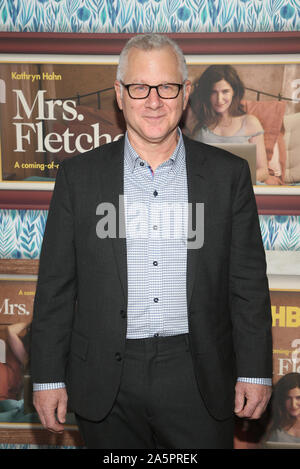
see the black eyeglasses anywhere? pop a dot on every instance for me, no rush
(164, 91)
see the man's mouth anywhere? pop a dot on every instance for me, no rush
(153, 117)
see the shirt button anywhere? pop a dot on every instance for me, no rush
(118, 357)
(155, 193)
(155, 227)
(142, 163)
(156, 334)
(155, 300)
(155, 263)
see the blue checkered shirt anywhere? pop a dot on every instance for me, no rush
(156, 248)
(156, 244)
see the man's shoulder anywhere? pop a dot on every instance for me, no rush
(96, 156)
(212, 155)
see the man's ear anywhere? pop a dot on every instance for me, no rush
(118, 91)
(187, 91)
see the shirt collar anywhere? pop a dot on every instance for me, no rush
(131, 157)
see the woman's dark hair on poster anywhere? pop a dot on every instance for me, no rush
(281, 417)
(200, 97)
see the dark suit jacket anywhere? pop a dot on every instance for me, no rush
(79, 324)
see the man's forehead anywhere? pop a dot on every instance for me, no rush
(140, 62)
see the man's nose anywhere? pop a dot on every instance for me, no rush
(154, 100)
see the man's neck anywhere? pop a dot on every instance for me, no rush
(155, 153)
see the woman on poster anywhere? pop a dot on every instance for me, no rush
(221, 118)
(285, 426)
(16, 356)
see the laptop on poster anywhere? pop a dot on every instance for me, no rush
(243, 150)
(280, 445)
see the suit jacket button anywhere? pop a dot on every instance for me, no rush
(118, 357)
(123, 313)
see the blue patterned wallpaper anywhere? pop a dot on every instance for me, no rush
(21, 233)
(131, 16)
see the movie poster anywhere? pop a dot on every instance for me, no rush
(16, 310)
(52, 111)
(16, 303)
(283, 427)
(279, 427)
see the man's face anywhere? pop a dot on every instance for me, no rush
(153, 119)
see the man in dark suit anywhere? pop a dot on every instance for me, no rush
(151, 319)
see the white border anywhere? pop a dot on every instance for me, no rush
(31, 426)
(195, 59)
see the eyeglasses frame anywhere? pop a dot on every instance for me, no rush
(180, 86)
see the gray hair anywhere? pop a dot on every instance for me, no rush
(151, 41)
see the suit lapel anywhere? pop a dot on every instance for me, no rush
(112, 187)
(197, 193)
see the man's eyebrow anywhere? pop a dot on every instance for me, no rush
(142, 82)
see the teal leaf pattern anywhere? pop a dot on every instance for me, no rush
(7, 237)
(132, 16)
(4, 14)
(183, 13)
(287, 12)
(280, 233)
(22, 231)
(83, 13)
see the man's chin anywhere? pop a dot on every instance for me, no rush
(152, 136)
(158, 136)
